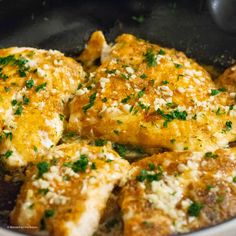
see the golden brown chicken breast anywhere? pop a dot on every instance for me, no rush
(178, 192)
(35, 88)
(228, 80)
(66, 192)
(149, 96)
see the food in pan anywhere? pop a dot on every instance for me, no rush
(228, 80)
(149, 96)
(74, 127)
(35, 86)
(66, 192)
(177, 192)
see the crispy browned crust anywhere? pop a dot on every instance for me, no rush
(134, 90)
(40, 123)
(186, 178)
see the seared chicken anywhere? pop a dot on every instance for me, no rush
(66, 192)
(148, 96)
(35, 88)
(177, 192)
(228, 80)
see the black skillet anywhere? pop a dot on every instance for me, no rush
(66, 25)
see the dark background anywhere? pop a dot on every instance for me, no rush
(67, 24)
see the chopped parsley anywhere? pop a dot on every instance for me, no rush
(26, 100)
(125, 100)
(176, 114)
(7, 89)
(120, 148)
(93, 166)
(161, 52)
(150, 58)
(195, 209)
(228, 126)
(11, 60)
(104, 99)
(124, 76)
(210, 155)
(117, 132)
(178, 66)
(43, 191)
(29, 83)
(144, 175)
(43, 167)
(49, 213)
(81, 164)
(79, 86)
(100, 142)
(8, 135)
(164, 82)
(119, 122)
(217, 91)
(91, 102)
(218, 112)
(41, 87)
(143, 76)
(173, 141)
(151, 166)
(62, 117)
(234, 179)
(7, 154)
(141, 93)
(13, 102)
(19, 110)
(143, 107)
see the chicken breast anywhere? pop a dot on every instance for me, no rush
(177, 192)
(228, 80)
(149, 96)
(35, 88)
(66, 192)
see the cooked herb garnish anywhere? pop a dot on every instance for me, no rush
(176, 114)
(178, 66)
(41, 87)
(217, 91)
(144, 175)
(104, 99)
(143, 76)
(141, 93)
(19, 110)
(62, 117)
(26, 100)
(150, 58)
(29, 83)
(125, 100)
(43, 191)
(164, 82)
(234, 179)
(49, 213)
(13, 102)
(81, 164)
(8, 134)
(93, 166)
(228, 126)
(195, 209)
(43, 167)
(210, 155)
(100, 142)
(120, 148)
(91, 102)
(161, 52)
(7, 154)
